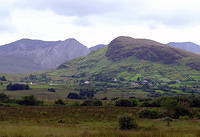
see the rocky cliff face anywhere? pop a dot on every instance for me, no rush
(28, 55)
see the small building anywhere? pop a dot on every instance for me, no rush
(134, 84)
(86, 82)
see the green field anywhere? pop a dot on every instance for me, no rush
(85, 122)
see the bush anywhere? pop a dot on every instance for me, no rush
(29, 101)
(148, 114)
(126, 103)
(127, 122)
(97, 103)
(87, 93)
(181, 111)
(184, 118)
(51, 90)
(105, 98)
(59, 102)
(3, 78)
(3, 97)
(17, 87)
(150, 104)
(73, 96)
(92, 103)
(87, 103)
(134, 102)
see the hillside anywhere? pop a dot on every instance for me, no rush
(125, 51)
(187, 46)
(28, 55)
(129, 64)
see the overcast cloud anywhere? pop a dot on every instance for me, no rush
(99, 21)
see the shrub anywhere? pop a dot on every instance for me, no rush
(59, 102)
(3, 97)
(127, 122)
(29, 101)
(105, 98)
(134, 102)
(197, 115)
(181, 111)
(92, 103)
(17, 87)
(184, 118)
(97, 103)
(73, 96)
(3, 78)
(87, 103)
(88, 93)
(51, 90)
(148, 114)
(150, 104)
(126, 103)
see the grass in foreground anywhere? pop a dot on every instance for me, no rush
(85, 122)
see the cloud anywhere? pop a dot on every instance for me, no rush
(123, 12)
(71, 7)
(99, 21)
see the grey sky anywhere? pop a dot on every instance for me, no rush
(99, 21)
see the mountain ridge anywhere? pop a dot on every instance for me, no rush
(187, 46)
(42, 54)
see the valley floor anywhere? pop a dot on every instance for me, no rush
(58, 121)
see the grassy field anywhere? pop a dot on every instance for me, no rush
(65, 121)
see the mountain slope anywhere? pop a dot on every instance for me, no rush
(28, 55)
(126, 59)
(123, 47)
(187, 46)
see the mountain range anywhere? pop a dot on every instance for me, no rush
(187, 46)
(28, 55)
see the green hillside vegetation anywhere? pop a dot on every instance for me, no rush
(135, 65)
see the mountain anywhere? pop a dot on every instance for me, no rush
(127, 58)
(28, 55)
(187, 46)
(97, 47)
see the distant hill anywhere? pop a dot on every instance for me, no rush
(187, 46)
(28, 55)
(97, 47)
(127, 58)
